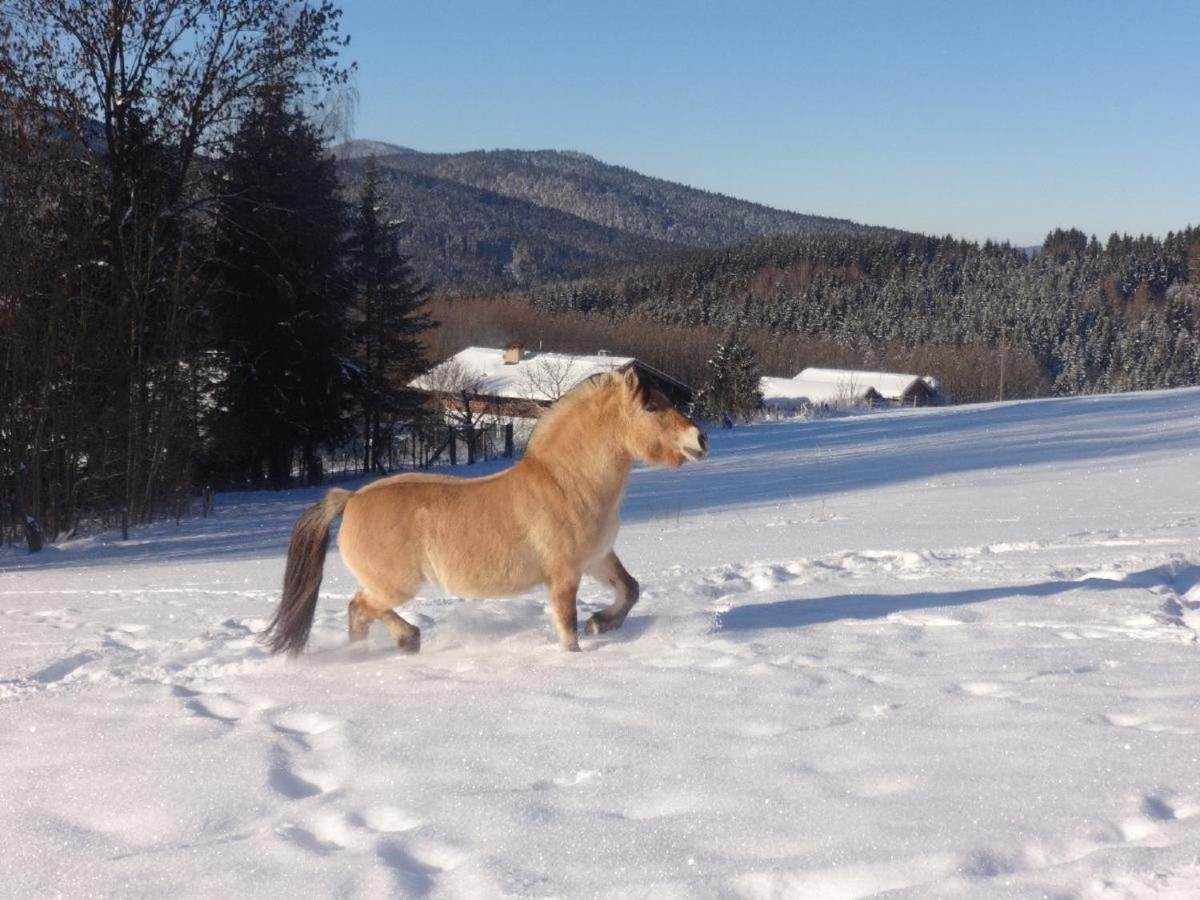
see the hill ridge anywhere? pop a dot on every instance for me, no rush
(492, 244)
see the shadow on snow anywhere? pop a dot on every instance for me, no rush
(800, 613)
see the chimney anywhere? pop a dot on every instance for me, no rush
(513, 352)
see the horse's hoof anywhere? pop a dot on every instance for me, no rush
(597, 625)
(409, 645)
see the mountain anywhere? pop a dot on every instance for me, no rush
(501, 219)
(359, 149)
(462, 238)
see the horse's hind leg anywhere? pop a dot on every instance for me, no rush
(360, 615)
(407, 635)
(610, 571)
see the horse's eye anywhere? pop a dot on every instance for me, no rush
(652, 407)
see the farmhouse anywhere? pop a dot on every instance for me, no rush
(833, 388)
(516, 383)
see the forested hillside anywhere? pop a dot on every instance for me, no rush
(463, 237)
(1095, 317)
(488, 220)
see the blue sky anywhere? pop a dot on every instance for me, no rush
(998, 120)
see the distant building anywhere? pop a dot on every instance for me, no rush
(515, 382)
(834, 388)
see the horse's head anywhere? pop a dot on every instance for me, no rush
(657, 432)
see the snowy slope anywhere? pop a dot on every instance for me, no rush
(926, 653)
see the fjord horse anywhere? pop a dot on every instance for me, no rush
(548, 519)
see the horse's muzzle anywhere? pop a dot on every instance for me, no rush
(699, 450)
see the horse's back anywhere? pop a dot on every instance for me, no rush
(421, 478)
(461, 533)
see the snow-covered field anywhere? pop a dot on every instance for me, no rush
(944, 653)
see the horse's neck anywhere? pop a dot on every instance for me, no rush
(586, 457)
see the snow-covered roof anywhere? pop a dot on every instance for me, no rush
(779, 389)
(815, 385)
(538, 376)
(889, 385)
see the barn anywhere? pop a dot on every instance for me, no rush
(841, 388)
(515, 382)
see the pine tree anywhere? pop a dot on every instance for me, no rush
(280, 316)
(732, 382)
(388, 301)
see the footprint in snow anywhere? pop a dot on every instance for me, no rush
(56, 618)
(384, 819)
(304, 723)
(878, 710)
(308, 839)
(414, 878)
(1125, 720)
(64, 668)
(223, 709)
(990, 689)
(220, 706)
(417, 866)
(759, 730)
(583, 776)
(296, 781)
(1150, 813)
(301, 765)
(124, 637)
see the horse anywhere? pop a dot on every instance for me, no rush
(550, 518)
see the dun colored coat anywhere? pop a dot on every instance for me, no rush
(549, 519)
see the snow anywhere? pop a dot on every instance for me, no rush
(929, 653)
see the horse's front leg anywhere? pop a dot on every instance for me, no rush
(610, 571)
(563, 589)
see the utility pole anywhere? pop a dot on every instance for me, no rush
(1003, 354)
(1004, 335)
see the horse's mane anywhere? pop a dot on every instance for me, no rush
(564, 406)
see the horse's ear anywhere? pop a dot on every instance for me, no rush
(638, 389)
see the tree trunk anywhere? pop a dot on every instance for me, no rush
(33, 534)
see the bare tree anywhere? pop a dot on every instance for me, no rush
(190, 66)
(451, 381)
(457, 389)
(548, 377)
(848, 393)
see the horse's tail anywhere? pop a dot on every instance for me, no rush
(293, 619)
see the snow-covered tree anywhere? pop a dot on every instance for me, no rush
(732, 383)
